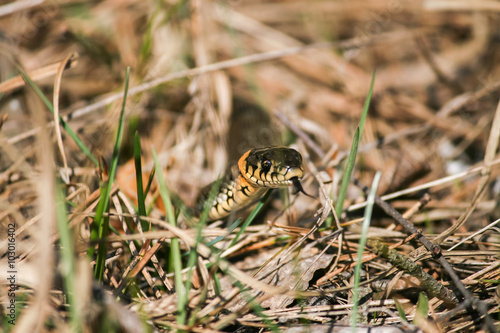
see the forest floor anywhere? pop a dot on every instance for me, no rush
(82, 250)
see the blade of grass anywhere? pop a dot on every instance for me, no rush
(94, 229)
(362, 244)
(150, 182)
(218, 288)
(352, 154)
(55, 99)
(201, 224)
(193, 254)
(229, 231)
(175, 252)
(401, 310)
(141, 201)
(256, 307)
(422, 308)
(101, 223)
(252, 216)
(148, 187)
(64, 124)
(68, 264)
(347, 174)
(368, 99)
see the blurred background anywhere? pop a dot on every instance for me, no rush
(429, 56)
(211, 79)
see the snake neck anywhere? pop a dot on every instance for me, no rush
(234, 194)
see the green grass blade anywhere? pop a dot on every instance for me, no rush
(368, 99)
(98, 218)
(347, 174)
(150, 182)
(401, 310)
(257, 308)
(218, 288)
(102, 224)
(352, 154)
(175, 252)
(422, 308)
(229, 231)
(211, 197)
(252, 216)
(141, 198)
(63, 123)
(193, 254)
(362, 243)
(68, 264)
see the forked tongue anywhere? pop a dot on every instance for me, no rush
(297, 187)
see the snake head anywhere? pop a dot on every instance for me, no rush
(271, 166)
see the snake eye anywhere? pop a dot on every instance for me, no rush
(266, 165)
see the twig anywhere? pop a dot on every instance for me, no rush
(436, 252)
(491, 225)
(433, 287)
(429, 57)
(17, 6)
(295, 129)
(491, 148)
(430, 184)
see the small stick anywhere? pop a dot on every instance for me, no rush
(295, 129)
(433, 287)
(437, 255)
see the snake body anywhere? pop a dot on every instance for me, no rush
(258, 170)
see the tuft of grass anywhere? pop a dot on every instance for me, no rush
(361, 247)
(401, 310)
(193, 254)
(422, 308)
(141, 195)
(352, 154)
(63, 123)
(229, 231)
(67, 251)
(68, 262)
(100, 227)
(257, 308)
(251, 217)
(175, 252)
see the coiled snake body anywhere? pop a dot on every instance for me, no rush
(258, 170)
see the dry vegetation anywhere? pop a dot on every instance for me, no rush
(208, 80)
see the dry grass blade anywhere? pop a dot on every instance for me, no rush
(206, 80)
(491, 148)
(40, 73)
(57, 88)
(434, 183)
(462, 5)
(44, 265)
(17, 6)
